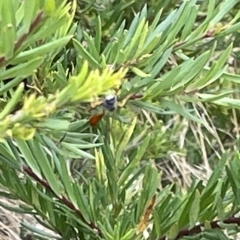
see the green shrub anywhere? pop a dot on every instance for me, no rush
(167, 64)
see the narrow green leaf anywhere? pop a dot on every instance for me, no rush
(172, 233)
(46, 168)
(149, 187)
(167, 81)
(194, 210)
(178, 21)
(8, 38)
(32, 228)
(157, 225)
(49, 6)
(215, 72)
(156, 34)
(114, 53)
(195, 67)
(10, 163)
(119, 34)
(181, 110)
(228, 102)
(151, 43)
(152, 107)
(51, 27)
(211, 97)
(129, 235)
(133, 176)
(13, 101)
(223, 9)
(5, 87)
(54, 124)
(28, 157)
(131, 48)
(211, 9)
(188, 203)
(74, 148)
(231, 29)
(112, 184)
(6, 151)
(220, 209)
(85, 54)
(141, 42)
(100, 170)
(30, 10)
(125, 139)
(13, 209)
(203, 27)
(233, 174)
(91, 47)
(140, 73)
(118, 11)
(231, 77)
(65, 178)
(217, 171)
(98, 36)
(42, 50)
(8, 10)
(8, 28)
(214, 234)
(21, 70)
(134, 163)
(155, 21)
(158, 63)
(150, 181)
(82, 201)
(187, 29)
(79, 124)
(132, 30)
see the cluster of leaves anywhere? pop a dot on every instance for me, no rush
(52, 72)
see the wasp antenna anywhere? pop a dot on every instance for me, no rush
(65, 134)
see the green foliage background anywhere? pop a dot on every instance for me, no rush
(165, 164)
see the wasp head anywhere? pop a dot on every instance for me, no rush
(110, 102)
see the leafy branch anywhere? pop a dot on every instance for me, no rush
(104, 181)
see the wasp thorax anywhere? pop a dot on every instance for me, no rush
(110, 102)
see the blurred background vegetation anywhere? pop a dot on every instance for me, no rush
(174, 67)
(197, 145)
